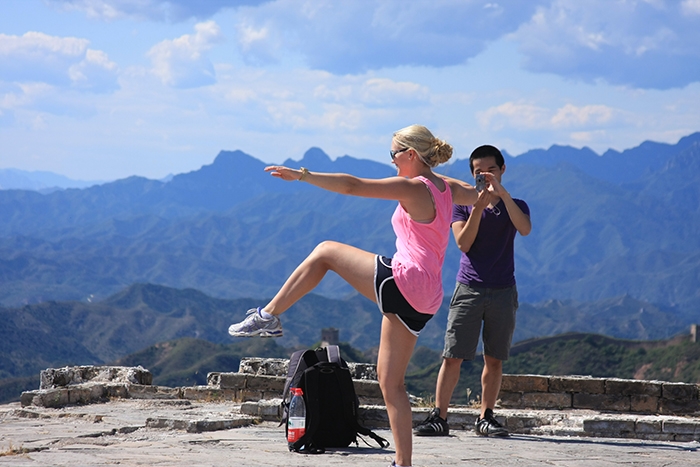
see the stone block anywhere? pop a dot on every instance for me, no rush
(169, 423)
(363, 371)
(510, 399)
(118, 374)
(200, 426)
(208, 394)
(627, 387)
(118, 391)
(648, 426)
(214, 378)
(137, 391)
(373, 417)
(609, 427)
(274, 384)
(681, 426)
(538, 400)
(250, 395)
(525, 383)
(270, 410)
(27, 398)
(518, 424)
(57, 377)
(602, 402)
(644, 404)
(52, 398)
(686, 438)
(679, 391)
(264, 366)
(678, 406)
(367, 388)
(584, 384)
(79, 395)
(233, 381)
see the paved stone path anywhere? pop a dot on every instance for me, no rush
(155, 433)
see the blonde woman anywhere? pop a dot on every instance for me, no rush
(407, 287)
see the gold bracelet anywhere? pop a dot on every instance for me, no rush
(304, 172)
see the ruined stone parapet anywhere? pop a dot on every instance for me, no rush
(602, 394)
(88, 384)
(280, 367)
(72, 375)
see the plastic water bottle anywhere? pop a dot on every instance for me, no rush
(296, 421)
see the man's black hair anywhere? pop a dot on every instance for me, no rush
(486, 151)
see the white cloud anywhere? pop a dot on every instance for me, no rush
(37, 43)
(182, 62)
(60, 61)
(646, 44)
(691, 7)
(373, 92)
(353, 37)
(528, 116)
(514, 114)
(587, 137)
(572, 116)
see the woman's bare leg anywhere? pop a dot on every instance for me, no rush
(395, 350)
(352, 264)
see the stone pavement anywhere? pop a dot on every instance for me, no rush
(197, 433)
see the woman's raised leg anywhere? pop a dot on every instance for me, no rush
(354, 265)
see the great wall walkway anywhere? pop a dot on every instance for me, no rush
(108, 415)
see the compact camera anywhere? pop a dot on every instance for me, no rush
(480, 182)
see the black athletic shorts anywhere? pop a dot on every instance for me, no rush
(390, 299)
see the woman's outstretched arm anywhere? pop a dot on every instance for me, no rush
(462, 192)
(394, 188)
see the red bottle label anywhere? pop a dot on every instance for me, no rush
(295, 428)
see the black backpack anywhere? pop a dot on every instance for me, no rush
(331, 403)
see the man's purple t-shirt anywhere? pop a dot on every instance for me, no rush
(490, 261)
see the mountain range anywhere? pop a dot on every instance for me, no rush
(619, 224)
(55, 334)
(163, 323)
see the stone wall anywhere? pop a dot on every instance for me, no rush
(264, 378)
(602, 394)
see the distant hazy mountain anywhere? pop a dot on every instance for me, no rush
(620, 224)
(15, 179)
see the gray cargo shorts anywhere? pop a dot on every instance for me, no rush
(469, 309)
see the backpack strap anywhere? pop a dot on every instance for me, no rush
(333, 352)
(294, 361)
(383, 443)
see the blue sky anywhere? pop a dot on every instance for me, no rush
(105, 89)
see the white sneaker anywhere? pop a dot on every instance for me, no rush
(255, 325)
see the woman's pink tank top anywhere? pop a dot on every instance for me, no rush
(420, 252)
